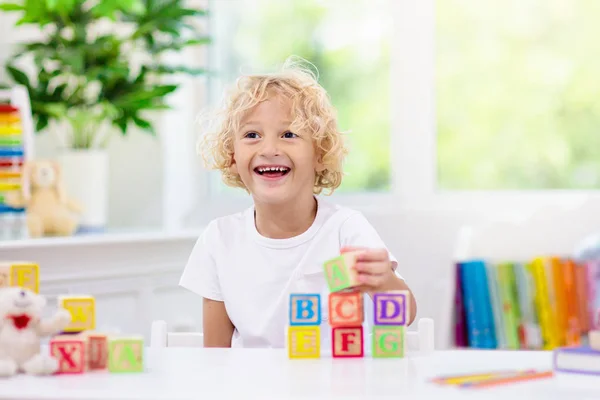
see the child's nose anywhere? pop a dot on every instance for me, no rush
(270, 147)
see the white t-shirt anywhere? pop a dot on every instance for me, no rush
(254, 275)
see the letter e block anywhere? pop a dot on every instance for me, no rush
(347, 342)
(391, 308)
(346, 308)
(69, 351)
(304, 341)
(126, 354)
(388, 341)
(340, 272)
(83, 312)
(305, 309)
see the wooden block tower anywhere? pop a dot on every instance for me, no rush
(391, 316)
(304, 331)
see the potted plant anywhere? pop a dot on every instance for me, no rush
(100, 68)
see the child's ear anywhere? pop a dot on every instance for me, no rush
(233, 166)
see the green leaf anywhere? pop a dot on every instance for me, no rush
(18, 76)
(144, 124)
(11, 7)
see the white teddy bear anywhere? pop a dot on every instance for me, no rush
(21, 330)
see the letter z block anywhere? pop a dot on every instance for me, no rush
(83, 312)
(391, 308)
(340, 272)
(305, 309)
(347, 342)
(126, 354)
(388, 341)
(304, 341)
(21, 274)
(69, 351)
(346, 308)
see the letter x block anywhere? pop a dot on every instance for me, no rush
(304, 341)
(83, 312)
(340, 272)
(69, 351)
(305, 309)
(346, 308)
(347, 342)
(388, 341)
(391, 308)
(126, 354)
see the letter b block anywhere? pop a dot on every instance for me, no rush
(347, 342)
(388, 341)
(391, 308)
(346, 309)
(305, 309)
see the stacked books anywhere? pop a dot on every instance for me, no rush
(544, 303)
(12, 156)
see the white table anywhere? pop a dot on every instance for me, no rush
(198, 373)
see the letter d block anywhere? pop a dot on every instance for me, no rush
(346, 309)
(83, 312)
(391, 308)
(69, 351)
(304, 341)
(126, 354)
(388, 341)
(340, 272)
(305, 309)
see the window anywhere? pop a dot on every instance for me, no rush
(347, 41)
(517, 89)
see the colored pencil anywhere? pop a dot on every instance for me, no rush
(509, 379)
(460, 379)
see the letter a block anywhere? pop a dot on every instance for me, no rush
(305, 309)
(83, 312)
(388, 341)
(69, 351)
(391, 308)
(304, 341)
(340, 272)
(347, 342)
(346, 309)
(126, 354)
(21, 274)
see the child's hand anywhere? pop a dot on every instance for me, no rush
(374, 268)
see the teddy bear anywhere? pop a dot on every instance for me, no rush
(21, 330)
(49, 211)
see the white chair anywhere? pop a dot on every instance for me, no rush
(160, 337)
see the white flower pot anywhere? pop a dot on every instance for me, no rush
(85, 176)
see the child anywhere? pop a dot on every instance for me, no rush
(278, 140)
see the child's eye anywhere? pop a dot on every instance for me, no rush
(251, 135)
(289, 135)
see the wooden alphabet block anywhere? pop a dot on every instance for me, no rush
(340, 272)
(83, 312)
(22, 274)
(594, 339)
(388, 341)
(346, 308)
(391, 308)
(96, 350)
(70, 352)
(305, 309)
(347, 342)
(126, 354)
(304, 341)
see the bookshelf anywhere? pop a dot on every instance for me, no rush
(539, 304)
(16, 147)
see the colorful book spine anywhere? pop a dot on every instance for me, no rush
(543, 305)
(496, 302)
(460, 324)
(510, 310)
(12, 156)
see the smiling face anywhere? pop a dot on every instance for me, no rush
(275, 163)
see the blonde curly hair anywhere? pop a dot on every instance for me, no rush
(312, 111)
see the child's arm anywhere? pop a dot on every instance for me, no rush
(218, 329)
